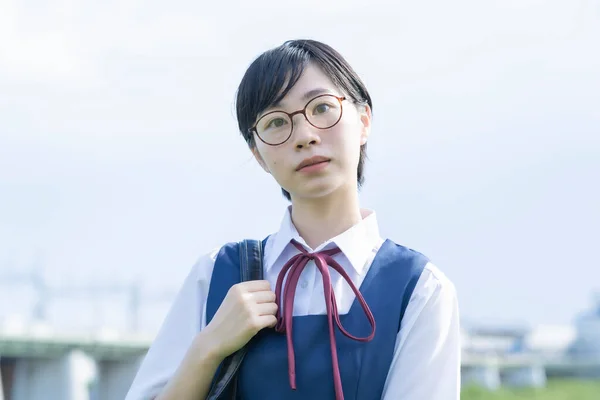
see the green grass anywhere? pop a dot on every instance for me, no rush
(556, 390)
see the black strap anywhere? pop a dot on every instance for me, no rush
(225, 384)
(251, 255)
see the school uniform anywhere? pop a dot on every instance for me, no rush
(413, 355)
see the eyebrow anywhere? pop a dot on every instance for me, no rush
(307, 96)
(315, 92)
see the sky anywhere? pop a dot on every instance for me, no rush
(120, 158)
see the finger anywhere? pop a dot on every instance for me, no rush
(267, 321)
(266, 309)
(265, 296)
(255, 286)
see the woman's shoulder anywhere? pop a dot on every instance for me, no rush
(203, 266)
(431, 275)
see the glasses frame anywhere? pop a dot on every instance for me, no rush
(302, 111)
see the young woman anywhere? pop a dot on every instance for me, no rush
(306, 117)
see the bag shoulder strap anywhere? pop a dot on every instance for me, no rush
(251, 268)
(251, 260)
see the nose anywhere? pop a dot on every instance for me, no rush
(304, 134)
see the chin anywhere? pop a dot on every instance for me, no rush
(317, 190)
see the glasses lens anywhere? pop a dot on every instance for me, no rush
(324, 111)
(274, 128)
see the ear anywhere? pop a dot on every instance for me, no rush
(259, 158)
(365, 116)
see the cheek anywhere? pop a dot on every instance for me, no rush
(272, 159)
(348, 138)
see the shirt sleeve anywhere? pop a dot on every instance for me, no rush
(427, 356)
(181, 324)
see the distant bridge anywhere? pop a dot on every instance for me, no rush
(68, 367)
(43, 365)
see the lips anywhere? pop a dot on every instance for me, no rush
(311, 161)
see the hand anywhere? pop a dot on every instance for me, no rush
(247, 308)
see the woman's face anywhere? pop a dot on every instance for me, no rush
(332, 153)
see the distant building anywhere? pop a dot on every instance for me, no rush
(587, 342)
(546, 341)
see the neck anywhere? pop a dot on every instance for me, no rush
(318, 220)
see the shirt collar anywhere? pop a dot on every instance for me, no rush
(356, 243)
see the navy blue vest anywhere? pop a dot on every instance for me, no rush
(364, 367)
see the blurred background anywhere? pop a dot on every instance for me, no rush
(121, 164)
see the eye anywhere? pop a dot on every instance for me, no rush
(321, 108)
(276, 123)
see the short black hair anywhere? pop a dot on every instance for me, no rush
(271, 76)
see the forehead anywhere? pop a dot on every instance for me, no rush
(312, 82)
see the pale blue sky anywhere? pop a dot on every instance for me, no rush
(120, 156)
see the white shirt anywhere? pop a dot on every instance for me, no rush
(426, 360)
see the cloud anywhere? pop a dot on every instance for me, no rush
(73, 40)
(40, 44)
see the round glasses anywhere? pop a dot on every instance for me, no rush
(276, 127)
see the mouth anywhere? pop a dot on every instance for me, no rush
(313, 162)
